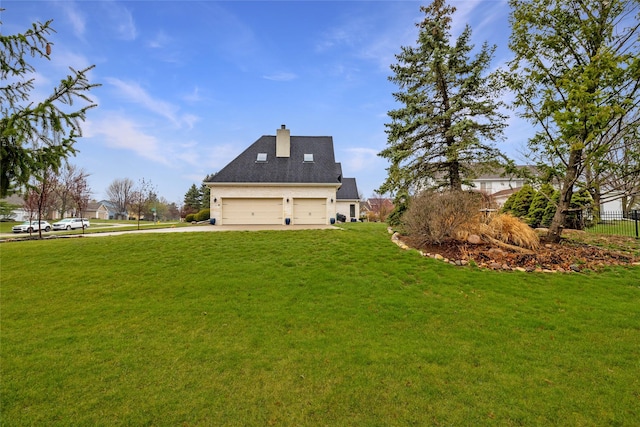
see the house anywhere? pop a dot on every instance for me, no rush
(112, 211)
(499, 185)
(377, 208)
(15, 210)
(282, 179)
(348, 200)
(96, 210)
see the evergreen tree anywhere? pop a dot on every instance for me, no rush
(192, 200)
(580, 201)
(550, 210)
(36, 135)
(508, 204)
(523, 201)
(449, 111)
(205, 193)
(539, 204)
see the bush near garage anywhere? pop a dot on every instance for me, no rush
(203, 215)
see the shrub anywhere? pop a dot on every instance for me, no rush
(511, 230)
(436, 217)
(508, 205)
(203, 215)
(401, 204)
(522, 202)
(550, 210)
(539, 205)
(190, 217)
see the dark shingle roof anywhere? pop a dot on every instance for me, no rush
(293, 169)
(348, 191)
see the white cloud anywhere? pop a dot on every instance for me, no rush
(133, 92)
(193, 96)
(374, 37)
(281, 77)
(122, 133)
(77, 20)
(160, 40)
(121, 20)
(360, 158)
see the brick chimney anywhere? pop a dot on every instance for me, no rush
(283, 142)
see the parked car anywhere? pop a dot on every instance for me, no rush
(71, 223)
(31, 226)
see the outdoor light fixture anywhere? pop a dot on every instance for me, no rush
(215, 200)
(332, 200)
(287, 200)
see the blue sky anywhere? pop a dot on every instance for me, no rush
(188, 85)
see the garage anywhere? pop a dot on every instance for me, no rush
(252, 211)
(309, 211)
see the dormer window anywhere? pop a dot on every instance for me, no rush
(262, 157)
(308, 158)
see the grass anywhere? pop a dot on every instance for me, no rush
(618, 228)
(98, 226)
(306, 328)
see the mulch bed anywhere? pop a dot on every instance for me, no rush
(568, 255)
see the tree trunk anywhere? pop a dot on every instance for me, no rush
(566, 192)
(454, 176)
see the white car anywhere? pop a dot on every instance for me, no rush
(71, 223)
(31, 226)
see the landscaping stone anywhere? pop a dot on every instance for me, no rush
(474, 239)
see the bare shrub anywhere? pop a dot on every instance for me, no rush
(437, 217)
(511, 230)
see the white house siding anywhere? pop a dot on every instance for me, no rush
(286, 194)
(344, 207)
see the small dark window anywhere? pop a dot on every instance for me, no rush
(352, 211)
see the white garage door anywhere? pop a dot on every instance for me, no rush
(309, 211)
(251, 211)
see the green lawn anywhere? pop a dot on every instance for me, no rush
(97, 226)
(618, 228)
(306, 328)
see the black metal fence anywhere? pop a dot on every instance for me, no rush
(618, 223)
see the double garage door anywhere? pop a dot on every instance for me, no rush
(270, 211)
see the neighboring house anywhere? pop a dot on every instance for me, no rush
(112, 212)
(498, 186)
(18, 213)
(377, 208)
(280, 179)
(96, 210)
(348, 199)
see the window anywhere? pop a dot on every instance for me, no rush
(262, 157)
(352, 211)
(308, 158)
(485, 187)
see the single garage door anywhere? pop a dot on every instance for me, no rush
(309, 211)
(251, 211)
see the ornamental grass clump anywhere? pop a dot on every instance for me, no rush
(437, 217)
(511, 230)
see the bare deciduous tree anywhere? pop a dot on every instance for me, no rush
(120, 193)
(80, 193)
